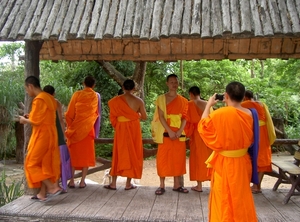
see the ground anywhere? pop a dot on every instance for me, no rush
(15, 172)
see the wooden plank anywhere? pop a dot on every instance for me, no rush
(155, 48)
(3, 5)
(206, 26)
(127, 28)
(244, 45)
(146, 25)
(95, 18)
(157, 14)
(294, 16)
(187, 211)
(226, 23)
(166, 20)
(245, 16)
(265, 19)
(216, 19)
(187, 46)
(276, 45)
(60, 18)
(143, 197)
(186, 19)
(265, 46)
(286, 24)
(275, 16)
(165, 46)
(29, 14)
(138, 18)
(66, 48)
(99, 46)
(208, 46)
(196, 19)
(204, 197)
(117, 204)
(144, 47)
(176, 46)
(68, 21)
(103, 18)
(51, 48)
(85, 20)
(35, 20)
(77, 18)
(288, 46)
(44, 18)
(235, 20)
(57, 48)
(86, 47)
(265, 210)
(287, 166)
(120, 19)
(19, 19)
(16, 206)
(136, 49)
(167, 201)
(117, 47)
(254, 45)
(256, 19)
(106, 46)
(8, 7)
(51, 20)
(176, 24)
(197, 46)
(218, 46)
(128, 46)
(110, 27)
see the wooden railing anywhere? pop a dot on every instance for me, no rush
(106, 164)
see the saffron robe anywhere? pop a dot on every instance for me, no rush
(264, 151)
(80, 117)
(42, 160)
(171, 154)
(199, 152)
(127, 158)
(229, 132)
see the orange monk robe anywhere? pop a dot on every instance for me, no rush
(42, 160)
(199, 152)
(80, 117)
(264, 151)
(127, 159)
(171, 154)
(229, 130)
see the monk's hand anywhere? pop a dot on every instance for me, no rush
(212, 100)
(172, 135)
(22, 120)
(178, 134)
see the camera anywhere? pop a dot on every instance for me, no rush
(220, 97)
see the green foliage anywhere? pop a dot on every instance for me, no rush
(8, 193)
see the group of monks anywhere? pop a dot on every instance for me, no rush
(218, 141)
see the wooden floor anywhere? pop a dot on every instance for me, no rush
(94, 203)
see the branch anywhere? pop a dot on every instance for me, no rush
(112, 72)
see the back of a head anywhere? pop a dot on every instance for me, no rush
(49, 89)
(249, 94)
(120, 92)
(33, 81)
(128, 84)
(195, 90)
(171, 75)
(236, 91)
(89, 81)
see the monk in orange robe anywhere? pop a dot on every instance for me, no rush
(264, 152)
(228, 131)
(125, 112)
(171, 154)
(199, 152)
(80, 117)
(42, 163)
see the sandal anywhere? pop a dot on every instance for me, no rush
(109, 187)
(160, 191)
(131, 187)
(71, 186)
(181, 190)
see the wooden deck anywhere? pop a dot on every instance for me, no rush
(94, 203)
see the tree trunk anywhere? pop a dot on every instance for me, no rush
(262, 65)
(32, 68)
(138, 76)
(5, 128)
(252, 68)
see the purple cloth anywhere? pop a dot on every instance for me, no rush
(66, 168)
(98, 120)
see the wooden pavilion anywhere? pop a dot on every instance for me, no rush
(150, 30)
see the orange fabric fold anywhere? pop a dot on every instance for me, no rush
(230, 197)
(43, 158)
(264, 151)
(80, 117)
(199, 152)
(127, 159)
(171, 154)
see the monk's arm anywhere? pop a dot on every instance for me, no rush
(182, 126)
(142, 110)
(212, 101)
(162, 120)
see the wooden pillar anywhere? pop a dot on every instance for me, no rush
(32, 68)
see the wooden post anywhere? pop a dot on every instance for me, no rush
(32, 68)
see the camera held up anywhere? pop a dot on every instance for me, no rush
(220, 97)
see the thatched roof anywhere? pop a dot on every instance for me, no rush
(71, 27)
